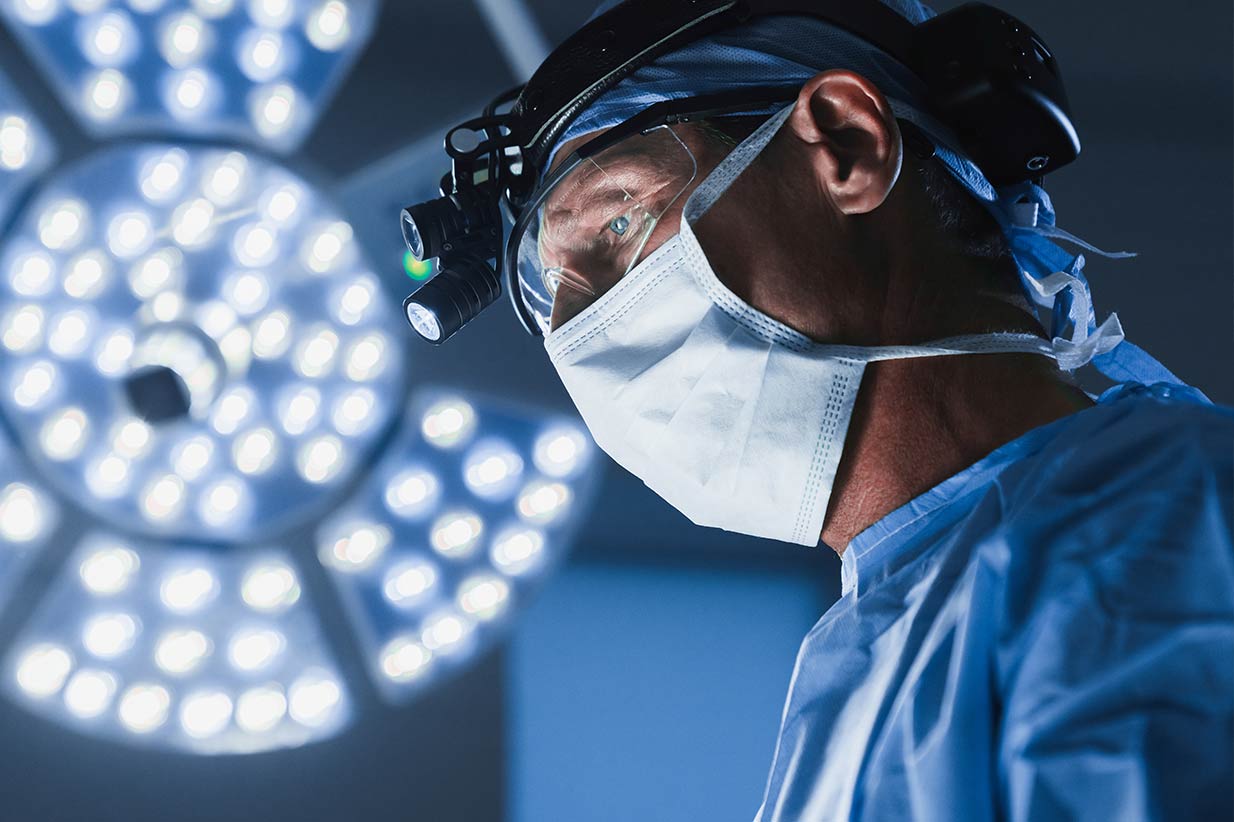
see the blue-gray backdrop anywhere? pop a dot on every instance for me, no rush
(646, 683)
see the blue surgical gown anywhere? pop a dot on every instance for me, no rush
(1048, 635)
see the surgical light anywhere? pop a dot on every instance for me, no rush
(42, 669)
(314, 699)
(405, 660)
(260, 709)
(179, 652)
(31, 274)
(320, 459)
(25, 514)
(560, 452)
(271, 13)
(445, 632)
(32, 385)
(408, 582)
(35, 12)
(262, 54)
(134, 641)
(270, 588)
(166, 63)
(62, 224)
(433, 551)
(108, 569)
(274, 110)
(106, 94)
(199, 363)
(231, 416)
(328, 25)
(15, 142)
(87, 275)
(108, 39)
(89, 693)
(189, 647)
(254, 649)
(213, 9)
(222, 501)
(205, 713)
(143, 707)
(183, 39)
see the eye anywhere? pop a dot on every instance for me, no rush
(619, 225)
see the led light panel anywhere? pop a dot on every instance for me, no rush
(254, 70)
(197, 360)
(28, 518)
(451, 532)
(179, 647)
(26, 149)
(194, 344)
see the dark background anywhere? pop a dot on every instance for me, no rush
(647, 681)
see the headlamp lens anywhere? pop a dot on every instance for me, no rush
(412, 236)
(424, 322)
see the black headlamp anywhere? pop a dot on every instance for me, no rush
(990, 78)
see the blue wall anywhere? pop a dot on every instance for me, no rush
(652, 693)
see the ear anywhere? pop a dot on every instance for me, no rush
(849, 132)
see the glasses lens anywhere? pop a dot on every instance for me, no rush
(596, 223)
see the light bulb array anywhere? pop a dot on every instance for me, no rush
(193, 350)
(233, 275)
(179, 647)
(462, 517)
(28, 518)
(26, 149)
(254, 70)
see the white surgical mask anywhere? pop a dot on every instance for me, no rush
(735, 419)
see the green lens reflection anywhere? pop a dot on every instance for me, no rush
(417, 269)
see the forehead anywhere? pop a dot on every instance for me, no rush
(569, 147)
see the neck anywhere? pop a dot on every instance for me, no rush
(919, 421)
(916, 421)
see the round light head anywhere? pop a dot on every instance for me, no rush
(452, 298)
(423, 321)
(175, 294)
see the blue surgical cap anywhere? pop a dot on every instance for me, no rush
(780, 51)
(791, 49)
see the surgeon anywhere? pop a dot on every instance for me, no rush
(817, 320)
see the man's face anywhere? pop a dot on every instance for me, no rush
(801, 235)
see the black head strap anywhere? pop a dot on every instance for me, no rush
(619, 42)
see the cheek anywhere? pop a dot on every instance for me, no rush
(567, 305)
(732, 241)
(770, 255)
(666, 228)
(669, 223)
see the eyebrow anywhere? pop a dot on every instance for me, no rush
(561, 216)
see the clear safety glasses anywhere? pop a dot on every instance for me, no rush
(596, 218)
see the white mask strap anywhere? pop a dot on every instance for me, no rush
(998, 343)
(731, 167)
